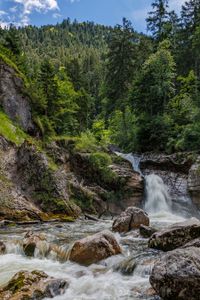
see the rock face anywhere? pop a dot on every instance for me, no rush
(176, 235)
(14, 204)
(113, 195)
(13, 99)
(35, 285)
(94, 248)
(177, 275)
(130, 219)
(194, 182)
(45, 182)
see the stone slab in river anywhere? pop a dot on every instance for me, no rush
(176, 276)
(94, 248)
(176, 235)
(35, 285)
(130, 219)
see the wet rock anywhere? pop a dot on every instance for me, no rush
(193, 243)
(94, 248)
(32, 241)
(147, 231)
(2, 248)
(177, 275)
(35, 285)
(176, 235)
(130, 219)
(126, 267)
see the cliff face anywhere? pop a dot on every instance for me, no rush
(13, 99)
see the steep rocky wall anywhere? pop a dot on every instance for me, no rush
(122, 189)
(13, 99)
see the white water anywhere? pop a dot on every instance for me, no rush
(133, 159)
(157, 197)
(99, 281)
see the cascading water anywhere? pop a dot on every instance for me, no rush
(157, 196)
(133, 159)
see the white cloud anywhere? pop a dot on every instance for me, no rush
(38, 5)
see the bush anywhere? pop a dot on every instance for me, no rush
(86, 142)
(100, 162)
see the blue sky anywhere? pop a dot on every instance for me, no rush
(108, 12)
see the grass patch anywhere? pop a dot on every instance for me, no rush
(10, 131)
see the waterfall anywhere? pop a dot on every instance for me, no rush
(157, 196)
(133, 159)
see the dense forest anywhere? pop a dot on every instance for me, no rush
(114, 85)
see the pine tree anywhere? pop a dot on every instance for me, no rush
(157, 20)
(120, 66)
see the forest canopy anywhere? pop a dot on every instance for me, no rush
(114, 85)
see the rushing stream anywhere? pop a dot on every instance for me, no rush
(115, 278)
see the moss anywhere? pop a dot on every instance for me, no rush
(16, 283)
(10, 131)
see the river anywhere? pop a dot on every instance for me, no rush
(124, 276)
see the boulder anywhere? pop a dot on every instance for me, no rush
(2, 248)
(176, 275)
(147, 231)
(32, 241)
(176, 235)
(35, 285)
(130, 219)
(94, 248)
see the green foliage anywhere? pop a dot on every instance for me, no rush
(120, 66)
(86, 142)
(10, 131)
(123, 129)
(100, 161)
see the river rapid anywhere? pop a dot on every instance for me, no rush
(108, 280)
(124, 276)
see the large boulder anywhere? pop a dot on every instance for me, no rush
(177, 275)
(94, 248)
(176, 235)
(35, 285)
(33, 242)
(130, 219)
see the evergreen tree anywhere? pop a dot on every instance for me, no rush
(154, 85)
(157, 20)
(120, 66)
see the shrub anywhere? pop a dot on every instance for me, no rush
(86, 142)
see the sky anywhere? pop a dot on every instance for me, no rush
(107, 12)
